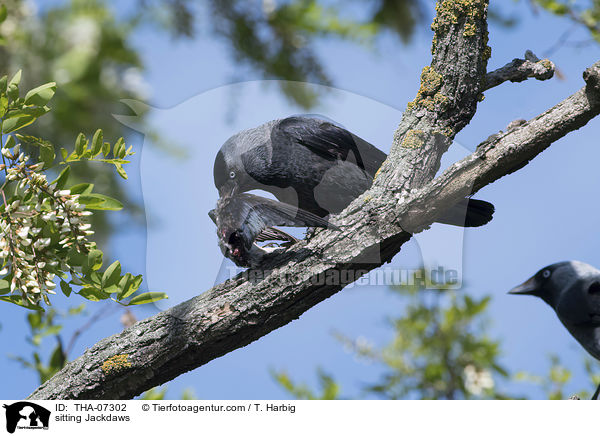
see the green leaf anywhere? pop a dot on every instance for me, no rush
(64, 153)
(106, 149)
(80, 144)
(113, 161)
(82, 188)
(35, 320)
(4, 286)
(3, 104)
(65, 288)
(93, 294)
(3, 83)
(75, 258)
(131, 286)
(124, 280)
(112, 274)
(554, 7)
(123, 151)
(124, 285)
(147, 297)
(112, 289)
(15, 299)
(10, 142)
(77, 309)
(52, 330)
(16, 79)
(97, 142)
(47, 155)
(121, 171)
(19, 118)
(13, 86)
(41, 95)
(62, 178)
(33, 140)
(100, 202)
(57, 359)
(154, 394)
(95, 259)
(118, 148)
(12, 92)
(3, 13)
(95, 277)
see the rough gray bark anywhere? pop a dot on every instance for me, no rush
(403, 199)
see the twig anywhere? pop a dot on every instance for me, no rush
(519, 70)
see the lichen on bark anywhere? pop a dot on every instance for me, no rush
(116, 363)
(413, 139)
(429, 95)
(450, 12)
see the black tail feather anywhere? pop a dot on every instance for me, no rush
(468, 213)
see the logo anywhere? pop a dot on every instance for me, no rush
(26, 415)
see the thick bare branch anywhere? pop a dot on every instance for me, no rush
(519, 70)
(248, 307)
(450, 88)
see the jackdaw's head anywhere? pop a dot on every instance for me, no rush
(549, 282)
(229, 172)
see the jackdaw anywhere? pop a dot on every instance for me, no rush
(244, 219)
(572, 289)
(314, 165)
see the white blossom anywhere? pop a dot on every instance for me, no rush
(476, 381)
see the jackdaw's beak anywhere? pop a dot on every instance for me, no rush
(228, 190)
(528, 287)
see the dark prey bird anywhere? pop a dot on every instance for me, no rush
(244, 219)
(572, 289)
(315, 165)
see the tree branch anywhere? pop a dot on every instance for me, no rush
(519, 70)
(243, 309)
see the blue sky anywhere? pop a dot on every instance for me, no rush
(546, 212)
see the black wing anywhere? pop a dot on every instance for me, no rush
(258, 213)
(580, 305)
(268, 234)
(328, 141)
(274, 234)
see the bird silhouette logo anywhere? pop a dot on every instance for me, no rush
(26, 415)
